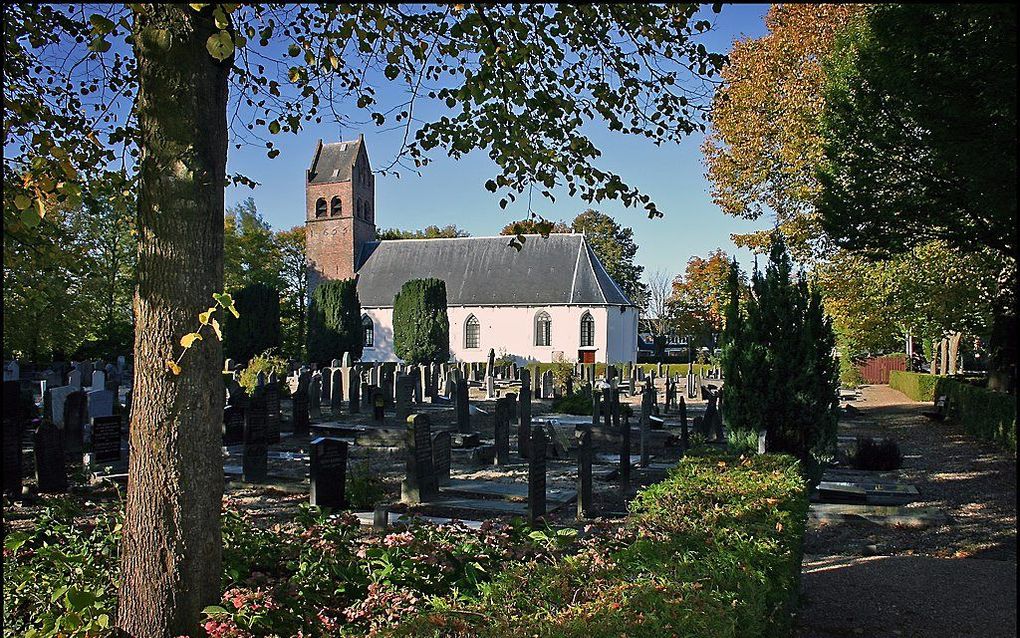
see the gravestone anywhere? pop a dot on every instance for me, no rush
(272, 394)
(584, 460)
(536, 475)
(74, 379)
(711, 414)
(685, 437)
(98, 380)
(12, 371)
(418, 377)
(419, 483)
(100, 403)
(463, 413)
(336, 390)
(596, 407)
(12, 438)
(441, 456)
(233, 425)
(547, 384)
(405, 393)
(761, 441)
(511, 403)
(326, 385)
(299, 400)
(255, 457)
(645, 426)
(105, 444)
(55, 404)
(366, 395)
(490, 388)
(378, 405)
(501, 431)
(524, 425)
(327, 471)
(315, 396)
(76, 415)
(608, 409)
(352, 388)
(625, 453)
(50, 472)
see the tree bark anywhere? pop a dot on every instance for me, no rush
(171, 548)
(954, 351)
(933, 369)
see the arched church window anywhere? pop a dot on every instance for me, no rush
(335, 207)
(367, 331)
(543, 329)
(320, 208)
(587, 330)
(472, 332)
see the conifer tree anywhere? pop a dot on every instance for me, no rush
(779, 362)
(421, 327)
(334, 322)
(257, 328)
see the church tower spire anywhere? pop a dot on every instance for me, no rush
(339, 209)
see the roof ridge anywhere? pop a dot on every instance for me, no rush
(480, 237)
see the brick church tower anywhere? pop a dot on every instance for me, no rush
(339, 209)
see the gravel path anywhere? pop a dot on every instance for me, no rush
(956, 579)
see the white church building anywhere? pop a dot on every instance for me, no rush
(552, 298)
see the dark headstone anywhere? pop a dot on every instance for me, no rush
(233, 425)
(378, 405)
(463, 410)
(353, 388)
(501, 430)
(625, 453)
(105, 444)
(536, 475)
(12, 438)
(50, 471)
(645, 426)
(419, 484)
(685, 437)
(366, 395)
(272, 413)
(75, 417)
(511, 402)
(299, 401)
(441, 457)
(255, 458)
(328, 473)
(584, 460)
(336, 391)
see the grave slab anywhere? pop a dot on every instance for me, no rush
(368, 518)
(886, 515)
(505, 490)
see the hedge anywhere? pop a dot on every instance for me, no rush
(716, 551)
(985, 414)
(918, 386)
(672, 369)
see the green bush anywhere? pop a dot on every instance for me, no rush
(713, 550)
(334, 322)
(257, 328)
(985, 414)
(421, 327)
(916, 385)
(263, 363)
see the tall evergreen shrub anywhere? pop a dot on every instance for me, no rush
(421, 327)
(779, 362)
(334, 322)
(257, 328)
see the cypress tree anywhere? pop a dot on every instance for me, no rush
(334, 321)
(421, 327)
(782, 376)
(257, 328)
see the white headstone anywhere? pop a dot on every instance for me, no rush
(99, 382)
(74, 379)
(100, 403)
(58, 396)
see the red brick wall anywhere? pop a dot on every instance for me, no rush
(332, 243)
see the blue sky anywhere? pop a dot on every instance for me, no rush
(452, 192)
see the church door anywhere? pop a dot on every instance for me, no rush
(586, 356)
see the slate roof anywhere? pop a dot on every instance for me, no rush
(481, 271)
(333, 162)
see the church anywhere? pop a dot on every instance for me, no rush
(552, 298)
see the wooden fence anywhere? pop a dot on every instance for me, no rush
(876, 369)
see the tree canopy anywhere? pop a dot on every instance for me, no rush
(429, 232)
(699, 296)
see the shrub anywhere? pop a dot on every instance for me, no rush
(713, 550)
(580, 402)
(364, 489)
(421, 327)
(334, 322)
(876, 455)
(263, 363)
(257, 328)
(918, 386)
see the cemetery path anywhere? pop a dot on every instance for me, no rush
(955, 577)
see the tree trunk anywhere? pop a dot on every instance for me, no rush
(933, 369)
(171, 551)
(954, 351)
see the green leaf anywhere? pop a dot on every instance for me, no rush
(80, 600)
(101, 25)
(220, 18)
(214, 610)
(233, 310)
(22, 201)
(30, 218)
(223, 298)
(198, 7)
(99, 45)
(274, 127)
(15, 540)
(220, 45)
(58, 593)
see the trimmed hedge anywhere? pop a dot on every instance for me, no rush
(421, 325)
(715, 550)
(983, 413)
(916, 385)
(334, 322)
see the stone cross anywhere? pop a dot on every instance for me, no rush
(536, 475)
(327, 471)
(584, 461)
(419, 484)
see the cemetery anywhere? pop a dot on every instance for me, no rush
(694, 320)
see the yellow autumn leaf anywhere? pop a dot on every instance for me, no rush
(176, 369)
(216, 328)
(190, 338)
(205, 316)
(233, 311)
